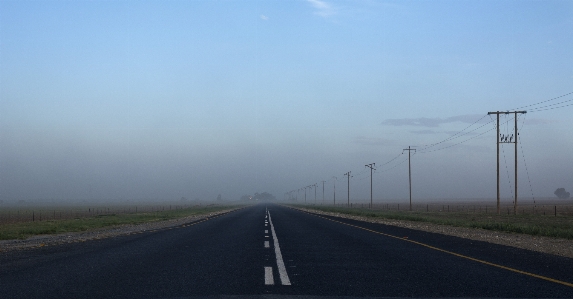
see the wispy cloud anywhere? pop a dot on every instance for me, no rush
(434, 122)
(264, 18)
(425, 132)
(373, 141)
(539, 121)
(323, 8)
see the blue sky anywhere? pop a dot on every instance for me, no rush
(164, 99)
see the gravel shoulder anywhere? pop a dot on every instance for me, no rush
(560, 247)
(72, 237)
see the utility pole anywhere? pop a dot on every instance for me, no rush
(371, 166)
(348, 175)
(323, 191)
(409, 173)
(504, 139)
(334, 189)
(315, 185)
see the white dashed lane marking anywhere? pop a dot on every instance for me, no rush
(267, 245)
(280, 263)
(269, 276)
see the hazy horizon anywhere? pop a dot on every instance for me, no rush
(161, 100)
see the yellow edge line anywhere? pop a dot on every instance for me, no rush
(457, 254)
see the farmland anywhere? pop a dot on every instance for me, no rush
(22, 222)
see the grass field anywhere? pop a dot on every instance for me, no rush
(81, 221)
(549, 225)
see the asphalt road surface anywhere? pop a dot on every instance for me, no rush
(269, 251)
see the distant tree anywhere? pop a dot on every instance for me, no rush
(561, 193)
(264, 196)
(246, 197)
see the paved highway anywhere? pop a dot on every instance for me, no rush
(275, 251)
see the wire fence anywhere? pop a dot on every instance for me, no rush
(506, 209)
(10, 215)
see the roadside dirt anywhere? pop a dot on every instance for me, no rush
(561, 247)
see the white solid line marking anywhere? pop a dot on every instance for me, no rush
(267, 245)
(269, 276)
(280, 264)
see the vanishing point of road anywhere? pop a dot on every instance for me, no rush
(273, 251)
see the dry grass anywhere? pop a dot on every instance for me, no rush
(22, 230)
(560, 226)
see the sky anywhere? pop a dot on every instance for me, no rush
(158, 100)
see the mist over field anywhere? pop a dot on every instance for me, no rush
(124, 101)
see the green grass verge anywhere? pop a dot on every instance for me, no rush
(537, 225)
(28, 229)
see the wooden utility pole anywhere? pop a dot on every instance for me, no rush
(371, 166)
(323, 191)
(409, 173)
(315, 185)
(507, 139)
(334, 189)
(348, 175)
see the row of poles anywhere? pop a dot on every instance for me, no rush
(348, 176)
(500, 139)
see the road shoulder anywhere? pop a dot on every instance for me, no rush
(555, 246)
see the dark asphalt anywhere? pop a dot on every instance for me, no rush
(225, 257)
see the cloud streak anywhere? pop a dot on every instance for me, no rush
(323, 8)
(433, 122)
(373, 141)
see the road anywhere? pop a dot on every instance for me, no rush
(269, 250)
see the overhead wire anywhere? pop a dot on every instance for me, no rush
(525, 164)
(455, 144)
(535, 104)
(424, 147)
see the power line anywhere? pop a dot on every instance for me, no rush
(443, 148)
(391, 160)
(424, 147)
(553, 99)
(396, 165)
(552, 108)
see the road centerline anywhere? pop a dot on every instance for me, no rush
(280, 263)
(269, 280)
